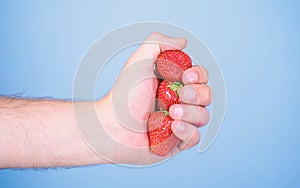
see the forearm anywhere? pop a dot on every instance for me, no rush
(41, 133)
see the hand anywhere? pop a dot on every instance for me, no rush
(126, 125)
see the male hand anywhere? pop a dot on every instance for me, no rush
(124, 112)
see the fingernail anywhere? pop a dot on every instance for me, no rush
(189, 94)
(177, 112)
(191, 76)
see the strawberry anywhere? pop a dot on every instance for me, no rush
(161, 138)
(168, 94)
(170, 64)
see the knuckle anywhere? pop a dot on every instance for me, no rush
(206, 95)
(203, 117)
(195, 139)
(204, 72)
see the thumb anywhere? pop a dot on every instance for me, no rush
(154, 45)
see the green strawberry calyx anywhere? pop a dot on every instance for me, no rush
(175, 86)
(165, 112)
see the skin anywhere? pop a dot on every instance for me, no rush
(44, 133)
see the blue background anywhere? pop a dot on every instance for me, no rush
(256, 43)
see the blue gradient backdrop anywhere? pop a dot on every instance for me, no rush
(256, 43)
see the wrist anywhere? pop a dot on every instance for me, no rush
(89, 122)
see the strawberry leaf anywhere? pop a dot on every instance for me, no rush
(165, 112)
(175, 86)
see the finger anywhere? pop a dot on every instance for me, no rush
(196, 115)
(195, 75)
(186, 132)
(197, 94)
(187, 144)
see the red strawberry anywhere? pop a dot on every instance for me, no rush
(168, 94)
(170, 64)
(161, 138)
